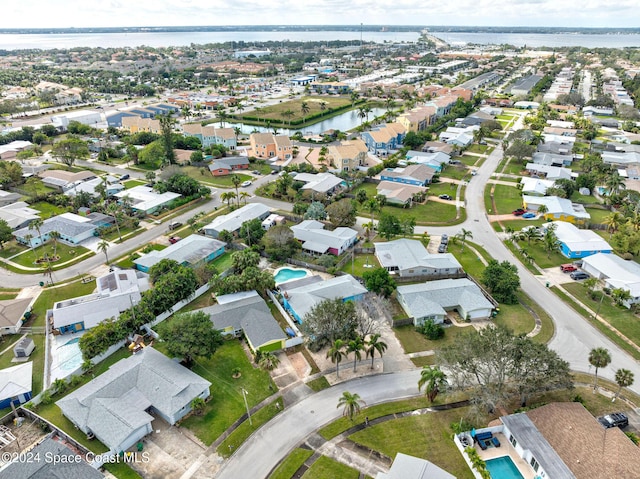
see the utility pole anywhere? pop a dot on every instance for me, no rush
(244, 395)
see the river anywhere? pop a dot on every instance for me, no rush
(536, 40)
(343, 122)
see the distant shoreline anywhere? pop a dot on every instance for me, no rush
(319, 28)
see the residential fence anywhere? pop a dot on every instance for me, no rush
(428, 277)
(402, 322)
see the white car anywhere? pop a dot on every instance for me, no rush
(245, 183)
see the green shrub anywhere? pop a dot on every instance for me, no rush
(432, 330)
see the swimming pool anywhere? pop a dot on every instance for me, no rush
(287, 274)
(503, 468)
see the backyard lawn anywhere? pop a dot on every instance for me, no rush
(226, 403)
(203, 175)
(223, 262)
(47, 209)
(598, 215)
(412, 341)
(133, 183)
(361, 263)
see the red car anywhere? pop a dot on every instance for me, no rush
(568, 268)
(519, 212)
(174, 239)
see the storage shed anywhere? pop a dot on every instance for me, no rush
(24, 348)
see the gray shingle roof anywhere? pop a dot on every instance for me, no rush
(64, 226)
(407, 253)
(192, 249)
(304, 298)
(112, 405)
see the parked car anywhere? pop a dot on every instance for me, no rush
(245, 183)
(519, 212)
(444, 239)
(568, 268)
(578, 275)
(174, 225)
(442, 248)
(444, 197)
(125, 177)
(174, 239)
(274, 172)
(529, 215)
(616, 419)
(255, 172)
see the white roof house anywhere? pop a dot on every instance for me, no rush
(432, 300)
(89, 186)
(409, 467)
(15, 382)
(188, 252)
(7, 197)
(316, 239)
(578, 243)
(557, 208)
(550, 172)
(146, 199)
(116, 292)
(72, 228)
(18, 215)
(233, 221)
(616, 273)
(114, 405)
(535, 186)
(408, 257)
(320, 183)
(621, 157)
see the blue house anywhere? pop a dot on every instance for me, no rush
(417, 175)
(578, 243)
(116, 119)
(300, 296)
(143, 112)
(190, 251)
(15, 385)
(384, 139)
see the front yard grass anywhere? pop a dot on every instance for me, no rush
(327, 468)
(226, 403)
(507, 199)
(12, 248)
(412, 341)
(540, 256)
(456, 172)
(291, 464)
(133, 183)
(64, 251)
(203, 175)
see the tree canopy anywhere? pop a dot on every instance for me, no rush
(342, 213)
(69, 150)
(502, 280)
(191, 335)
(379, 281)
(329, 320)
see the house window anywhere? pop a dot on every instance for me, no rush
(513, 441)
(534, 464)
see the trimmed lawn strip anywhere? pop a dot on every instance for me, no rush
(516, 318)
(468, 258)
(548, 328)
(64, 251)
(203, 175)
(319, 384)
(291, 464)
(327, 468)
(456, 172)
(244, 430)
(488, 205)
(423, 361)
(47, 210)
(226, 403)
(610, 385)
(518, 253)
(427, 436)
(601, 327)
(540, 256)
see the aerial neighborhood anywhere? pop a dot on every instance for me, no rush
(204, 249)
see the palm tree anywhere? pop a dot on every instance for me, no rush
(613, 222)
(55, 236)
(268, 360)
(113, 209)
(236, 132)
(235, 179)
(599, 358)
(304, 108)
(354, 97)
(362, 113)
(550, 240)
(590, 283)
(375, 345)
(463, 235)
(103, 246)
(372, 206)
(336, 354)
(222, 116)
(624, 378)
(197, 405)
(434, 380)
(351, 404)
(530, 234)
(29, 237)
(244, 195)
(542, 209)
(614, 183)
(37, 224)
(355, 346)
(228, 196)
(323, 105)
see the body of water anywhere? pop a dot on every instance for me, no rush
(343, 122)
(167, 39)
(541, 39)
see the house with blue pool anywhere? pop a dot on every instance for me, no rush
(115, 293)
(15, 385)
(190, 251)
(300, 296)
(578, 243)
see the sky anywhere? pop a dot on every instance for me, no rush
(122, 13)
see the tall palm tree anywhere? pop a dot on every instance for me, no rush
(434, 381)
(103, 246)
(235, 179)
(614, 183)
(354, 97)
(599, 358)
(542, 209)
(236, 132)
(362, 113)
(37, 224)
(351, 403)
(613, 222)
(373, 206)
(323, 106)
(531, 234)
(55, 236)
(304, 108)
(375, 345)
(550, 240)
(464, 235)
(624, 378)
(336, 354)
(113, 209)
(227, 196)
(244, 195)
(355, 346)
(222, 117)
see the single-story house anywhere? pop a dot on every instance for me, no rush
(190, 251)
(408, 257)
(115, 293)
(62, 179)
(578, 243)
(548, 172)
(417, 175)
(433, 299)
(300, 296)
(10, 150)
(320, 183)
(68, 463)
(597, 110)
(409, 467)
(435, 160)
(535, 186)
(247, 313)
(458, 136)
(621, 157)
(18, 215)
(234, 220)
(145, 199)
(399, 193)
(118, 406)
(15, 384)
(7, 197)
(616, 273)
(72, 228)
(557, 208)
(226, 166)
(317, 240)
(12, 312)
(89, 186)
(551, 159)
